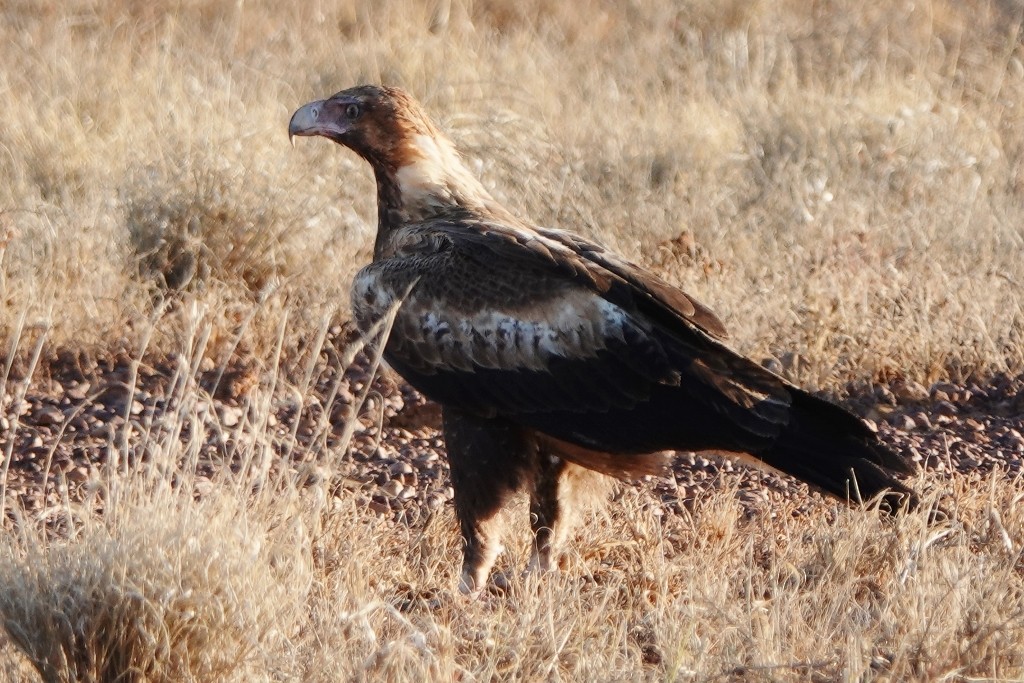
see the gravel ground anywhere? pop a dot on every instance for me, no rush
(59, 433)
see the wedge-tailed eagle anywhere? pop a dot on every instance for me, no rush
(553, 357)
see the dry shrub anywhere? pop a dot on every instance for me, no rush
(161, 590)
(194, 220)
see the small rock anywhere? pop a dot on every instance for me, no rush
(910, 391)
(230, 416)
(885, 396)
(78, 392)
(946, 408)
(400, 467)
(47, 415)
(904, 422)
(78, 474)
(393, 488)
(426, 459)
(947, 388)
(379, 507)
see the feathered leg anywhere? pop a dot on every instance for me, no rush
(562, 490)
(490, 459)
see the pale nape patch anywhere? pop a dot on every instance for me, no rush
(435, 176)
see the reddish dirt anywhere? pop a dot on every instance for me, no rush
(85, 416)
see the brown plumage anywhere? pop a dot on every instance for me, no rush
(552, 357)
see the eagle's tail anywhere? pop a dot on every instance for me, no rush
(834, 451)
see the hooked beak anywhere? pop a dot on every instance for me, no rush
(310, 119)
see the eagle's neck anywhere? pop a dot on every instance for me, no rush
(426, 180)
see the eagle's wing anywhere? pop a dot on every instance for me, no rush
(503, 320)
(662, 297)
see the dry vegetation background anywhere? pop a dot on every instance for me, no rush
(843, 182)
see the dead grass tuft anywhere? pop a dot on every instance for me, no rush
(192, 221)
(159, 592)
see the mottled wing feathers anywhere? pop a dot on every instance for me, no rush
(506, 321)
(652, 290)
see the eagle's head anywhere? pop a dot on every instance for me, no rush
(381, 124)
(418, 165)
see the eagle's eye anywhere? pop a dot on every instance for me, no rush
(352, 111)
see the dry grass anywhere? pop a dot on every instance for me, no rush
(273, 575)
(851, 176)
(840, 180)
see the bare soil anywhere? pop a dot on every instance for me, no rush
(87, 414)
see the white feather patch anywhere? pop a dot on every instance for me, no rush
(578, 324)
(433, 175)
(571, 327)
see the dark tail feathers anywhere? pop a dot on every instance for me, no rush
(834, 451)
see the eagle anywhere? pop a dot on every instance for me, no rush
(558, 363)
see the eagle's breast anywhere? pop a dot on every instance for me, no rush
(437, 331)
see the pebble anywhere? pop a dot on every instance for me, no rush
(921, 420)
(910, 391)
(399, 468)
(400, 471)
(904, 422)
(230, 416)
(884, 395)
(77, 391)
(47, 416)
(428, 460)
(393, 488)
(974, 424)
(941, 391)
(78, 474)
